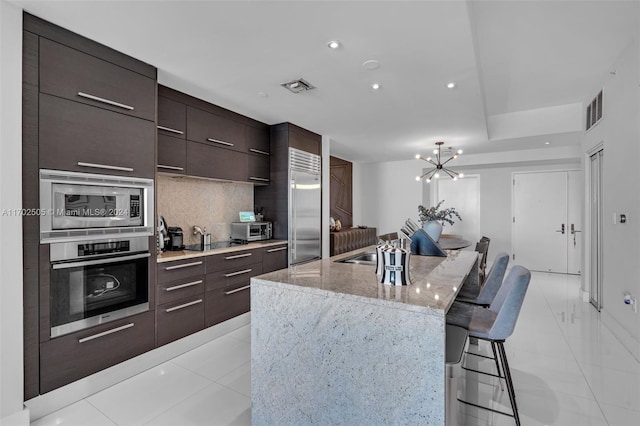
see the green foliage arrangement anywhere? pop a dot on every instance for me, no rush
(434, 213)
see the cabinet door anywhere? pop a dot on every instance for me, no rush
(79, 137)
(234, 277)
(172, 118)
(213, 162)
(226, 303)
(258, 140)
(259, 169)
(172, 154)
(179, 319)
(209, 128)
(74, 356)
(180, 269)
(274, 258)
(179, 289)
(234, 259)
(71, 74)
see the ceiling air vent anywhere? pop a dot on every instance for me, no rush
(594, 111)
(297, 86)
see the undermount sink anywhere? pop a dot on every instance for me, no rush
(368, 258)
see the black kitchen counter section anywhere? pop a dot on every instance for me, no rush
(169, 256)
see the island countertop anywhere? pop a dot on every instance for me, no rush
(435, 281)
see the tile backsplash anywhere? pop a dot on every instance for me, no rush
(186, 201)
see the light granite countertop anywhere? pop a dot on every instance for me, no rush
(435, 281)
(170, 256)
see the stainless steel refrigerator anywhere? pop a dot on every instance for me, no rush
(304, 206)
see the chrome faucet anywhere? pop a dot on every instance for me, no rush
(205, 239)
(197, 230)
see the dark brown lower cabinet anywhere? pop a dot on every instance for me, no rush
(206, 160)
(228, 293)
(74, 356)
(179, 319)
(275, 258)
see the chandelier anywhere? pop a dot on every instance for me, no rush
(439, 167)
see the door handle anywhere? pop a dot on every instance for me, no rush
(574, 230)
(561, 229)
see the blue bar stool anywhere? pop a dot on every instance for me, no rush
(495, 325)
(483, 295)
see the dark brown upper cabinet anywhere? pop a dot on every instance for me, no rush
(258, 169)
(215, 130)
(82, 138)
(172, 117)
(71, 74)
(207, 160)
(258, 140)
(172, 154)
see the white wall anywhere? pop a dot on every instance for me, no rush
(11, 380)
(386, 194)
(326, 200)
(620, 134)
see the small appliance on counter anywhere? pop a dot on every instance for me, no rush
(163, 234)
(175, 238)
(251, 231)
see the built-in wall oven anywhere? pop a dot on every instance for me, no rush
(76, 206)
(97, 281)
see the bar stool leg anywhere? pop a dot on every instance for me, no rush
(495, 357)
(510, 388)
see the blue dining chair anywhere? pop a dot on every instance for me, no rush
(495, 325)
(483, 295)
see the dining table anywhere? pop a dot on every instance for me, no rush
(452, 242)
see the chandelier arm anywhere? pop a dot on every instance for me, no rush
(450, 172)
(433, 172)
(448, 160)
(426, 173)
(431, 161)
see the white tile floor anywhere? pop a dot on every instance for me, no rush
(568, 369)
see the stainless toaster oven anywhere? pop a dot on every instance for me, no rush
(251, 231)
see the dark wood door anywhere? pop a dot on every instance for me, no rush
(83, 138)
(206, 160)
(209, 128)
(172, 118)
(226, 303)
(74, 75)
(274, 258)
(258, 140)
(172, 154)
(180, 318)
(258, 169)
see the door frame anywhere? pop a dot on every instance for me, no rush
(513, 206)
(586, 225)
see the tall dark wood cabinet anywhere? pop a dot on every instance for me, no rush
(86, 108)
(273, 199)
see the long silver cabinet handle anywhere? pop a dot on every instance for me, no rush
(220, 142)
(104, 166)
(184, 265)
(257, 151)
(233, 274)
(105, 101)
(169, 129)
(238, 256)
(185, 305)
(106, 333)
(99, 261)
(178, 287)
(237, 290)
(259, 178)
(276, 249)
(162, 166)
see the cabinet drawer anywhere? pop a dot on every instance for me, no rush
(234, 277)
(74, 356)
(223, 304)
(210, 161)
(259, 168)
(179, 289)
(258, 140)
(275, 258)
(233, 260)
(180, 269)
(71, 74)
(181, 318)
(218, 131)
(172, 154)
(78, 137)
(172, 118)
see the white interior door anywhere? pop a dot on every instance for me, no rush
(464, 195)
(595, 249)
(540, 221)
(574, 222)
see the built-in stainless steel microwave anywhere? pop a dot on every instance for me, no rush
(74, 206)
(251, 231)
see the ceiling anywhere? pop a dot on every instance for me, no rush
(504, 56)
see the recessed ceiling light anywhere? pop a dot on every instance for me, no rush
(334, 44)
(547, 143)
(371, 65)
(451, 85)
(376, 86)
(263, 94)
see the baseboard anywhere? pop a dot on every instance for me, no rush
(43, 405)
(21, 418)
(628, 341)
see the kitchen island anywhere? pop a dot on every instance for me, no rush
(331, 345)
